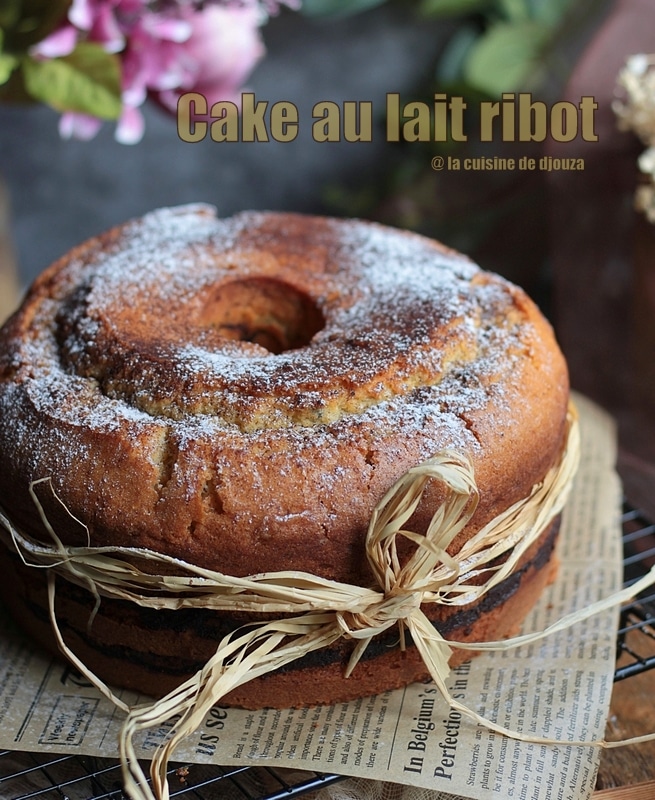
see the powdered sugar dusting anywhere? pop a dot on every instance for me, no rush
(415, 337)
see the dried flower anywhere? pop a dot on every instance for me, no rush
(635, 111)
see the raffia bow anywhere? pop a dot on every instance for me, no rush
(326, 610)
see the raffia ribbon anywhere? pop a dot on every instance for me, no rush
(326, 610)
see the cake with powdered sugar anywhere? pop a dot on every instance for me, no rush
(240, 394)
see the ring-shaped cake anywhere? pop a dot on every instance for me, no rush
(239, 394)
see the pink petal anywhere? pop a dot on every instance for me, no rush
(106, 31)
(60, 43)
(133, 79)
(129, 8)
(173, 30)
(78, 126)
(135, 95)
(168, 99)
(131, 126)
(81, 14)
(220, 92)
(163, 69)
(225, 44)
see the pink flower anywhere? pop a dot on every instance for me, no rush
(223, 48)
(165, 48)
(98, 20)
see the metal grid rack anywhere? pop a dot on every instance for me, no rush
(636, 634)
(27, 776)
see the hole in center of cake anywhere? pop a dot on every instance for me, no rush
(265, 311)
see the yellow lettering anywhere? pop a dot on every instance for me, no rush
(284, 121)
(225, 127)
(327, 127)
(189, 105)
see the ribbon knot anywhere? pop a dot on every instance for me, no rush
(393, 609)
(405, 583)
(380, 615)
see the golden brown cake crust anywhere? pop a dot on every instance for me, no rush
(240, 393)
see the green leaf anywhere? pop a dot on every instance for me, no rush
(505, 57)
(86, 81)
(337, 8)
(452, 60)
(552, 12)
(8, 64)
(451, 8)
(516, 10)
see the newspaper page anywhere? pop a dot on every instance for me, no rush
(559, 688)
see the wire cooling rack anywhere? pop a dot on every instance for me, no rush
(636, 634)
(24, 776)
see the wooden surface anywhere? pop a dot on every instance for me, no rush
(632, 713)
(641, 791)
